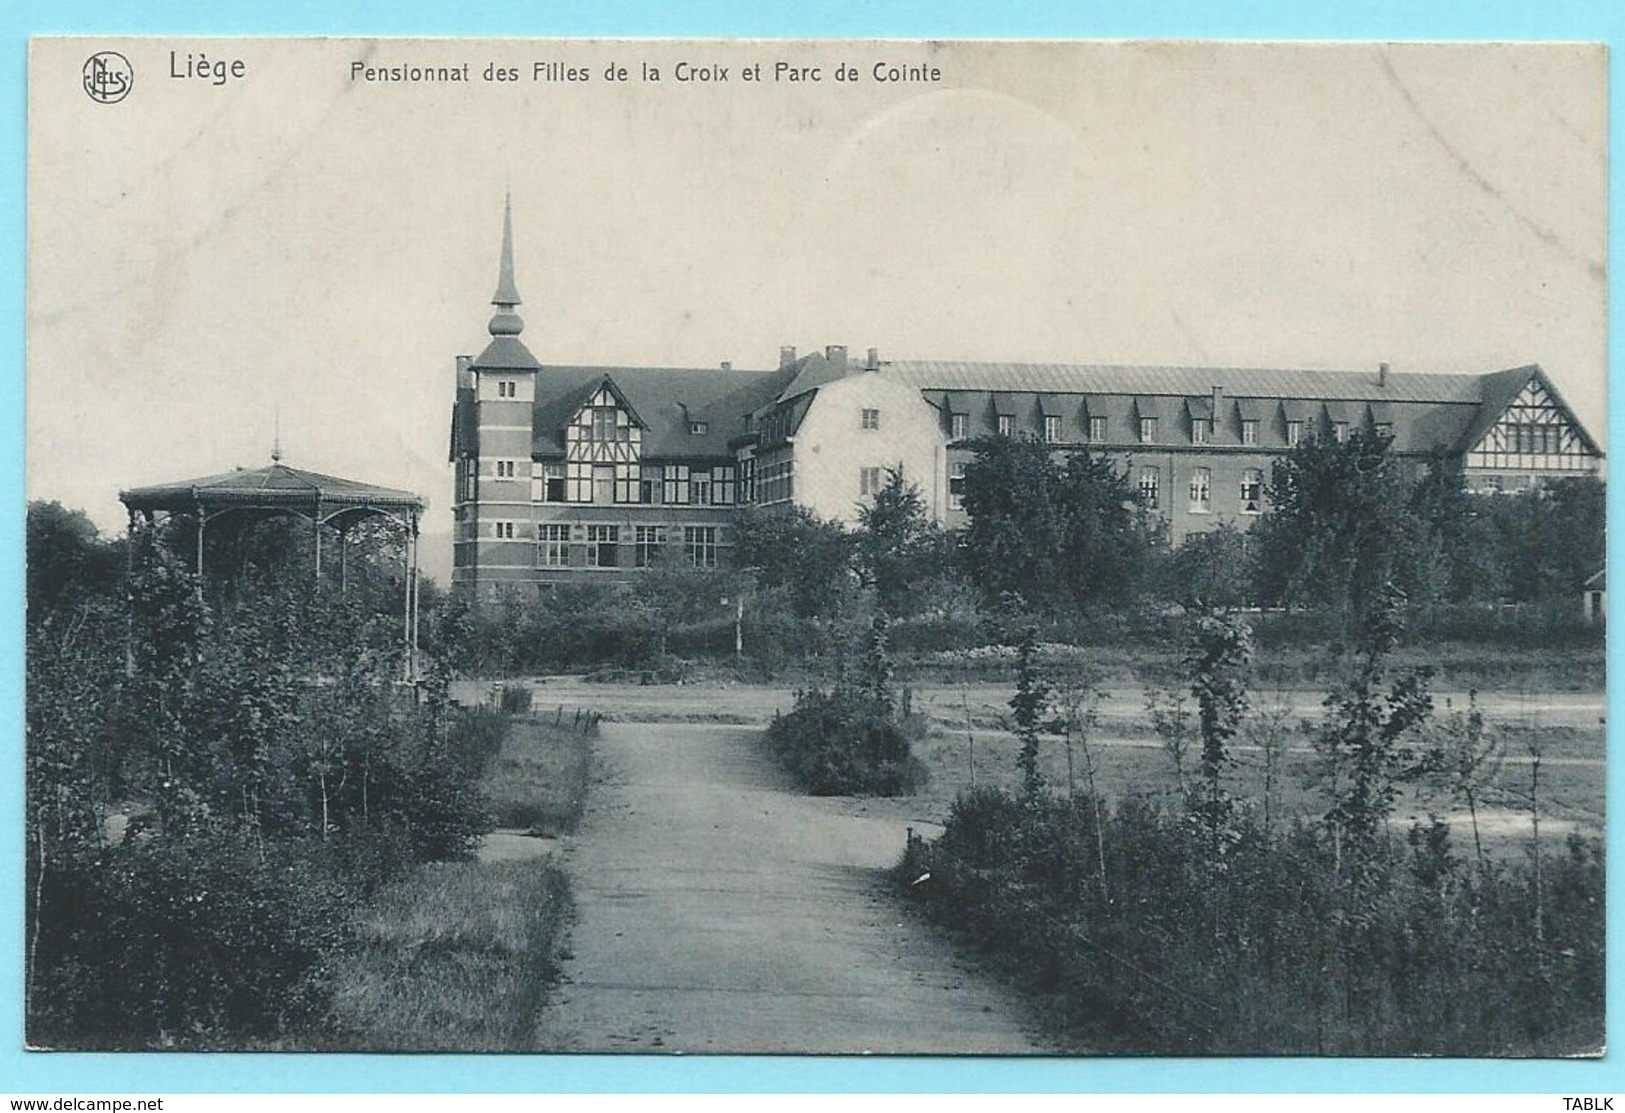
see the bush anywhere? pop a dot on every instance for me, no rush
(203, 941)
(836, 744)
(1163, 943)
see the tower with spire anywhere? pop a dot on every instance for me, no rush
(494, 532)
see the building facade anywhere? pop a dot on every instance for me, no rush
(582, 473)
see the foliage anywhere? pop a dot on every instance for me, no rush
(212, 783)
(1334, 532)
(1030, 707)
(795, 551)
(1053, 533)
(1210, 572)
(899, 550)
(855, 739)
(1266, 952)
(1218, 666)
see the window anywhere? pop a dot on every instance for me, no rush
(1201, 491)
(1148, 430)
(698, 428)
(1151, 488)
(1249, 431)
(868, 481)
(747, 480)
(1340, 432)
(469, 474)
(956, 485)
(676, 484)
(649, 484)
(1252, 491)
(555, 543)
(1007, 425)
(507, 388)
(1097, 429)
(871, 419)
(1384, 429)
(603, 423)
(722, 486)
(505, 469)
(603, 546)
(503, 530)
(1052, 429)
(1200, 428)
(701, 544)
(578, 482)
(552, 482)
(1294, 432)
(958, 426)
(699, 488)
(628, 483)
(647, 541)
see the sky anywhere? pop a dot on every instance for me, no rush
(299, 250)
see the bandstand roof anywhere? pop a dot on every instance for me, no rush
(274, 488)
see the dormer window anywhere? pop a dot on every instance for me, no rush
(1200, 428)
(1007, 425)
(1148, 430)
(698, 428)
(1249, 431)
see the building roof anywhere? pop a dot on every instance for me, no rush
(505, 353)
(277, 487)
(667, 400)
(1091, 378)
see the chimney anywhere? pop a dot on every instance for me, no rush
(465, 377)
(836, 354)
(727, 365)
(787, 356)
(873, 362)
(1382, 374)
(1218, 408)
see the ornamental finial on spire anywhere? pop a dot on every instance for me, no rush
(506, 322)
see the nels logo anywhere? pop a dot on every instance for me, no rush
(108, 77)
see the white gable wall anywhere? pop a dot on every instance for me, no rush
(832, 447)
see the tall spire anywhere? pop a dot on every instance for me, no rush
(506, 322)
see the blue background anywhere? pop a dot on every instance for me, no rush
(64, 1073)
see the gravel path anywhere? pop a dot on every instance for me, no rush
(721, 912)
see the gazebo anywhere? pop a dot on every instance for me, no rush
(325, 501)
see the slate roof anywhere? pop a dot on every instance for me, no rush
(505, 353)
(666, 400)
(1089, 378)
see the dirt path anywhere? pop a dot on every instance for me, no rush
(719, 912)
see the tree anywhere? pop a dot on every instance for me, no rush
(1052, 533)
(1030, 708)
(1210, 572)
(67, 558)
(897, 546)
(795, 551)
(1337, 532)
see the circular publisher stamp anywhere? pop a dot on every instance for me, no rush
(108, 77)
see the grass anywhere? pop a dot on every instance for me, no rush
(538, 780)
(460, 956)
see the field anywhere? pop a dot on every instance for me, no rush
(1130, 759)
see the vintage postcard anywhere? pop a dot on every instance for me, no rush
(816, 547)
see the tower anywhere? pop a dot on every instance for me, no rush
(495, 534)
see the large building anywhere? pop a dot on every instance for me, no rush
(568, 472)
